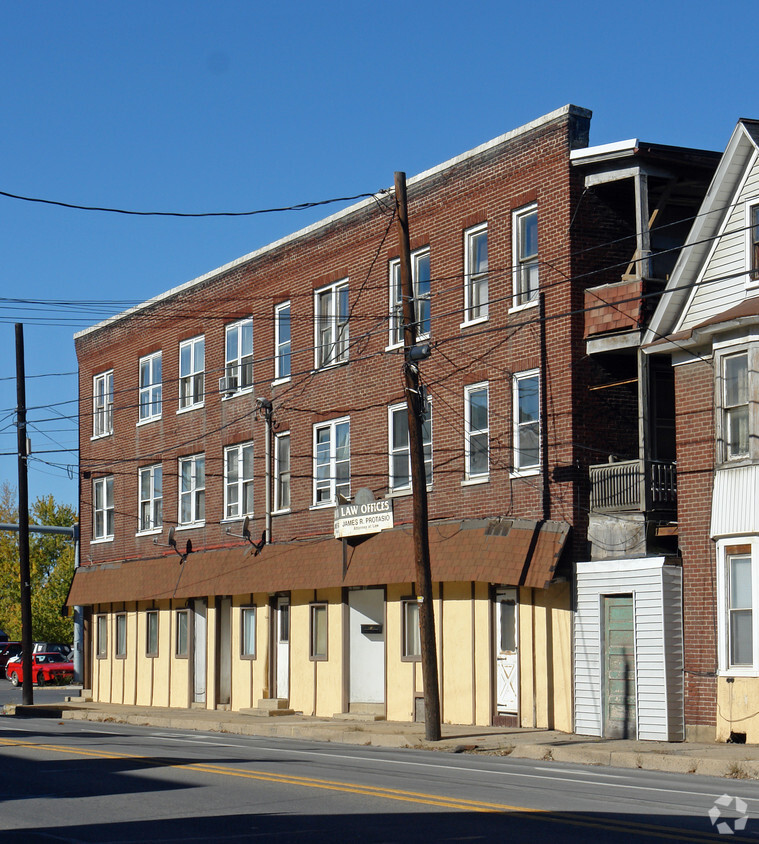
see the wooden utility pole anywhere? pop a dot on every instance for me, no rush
(23, 522)
(418, 475)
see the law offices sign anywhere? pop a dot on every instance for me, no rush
(363, 516)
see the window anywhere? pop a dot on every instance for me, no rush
(239, 358)
(151, 498)
(525, 229)
(183, 625)
(121, 638)
(102, 508)
(738, 598)
(191, 372)
(476, 278)
(238, 481)
(331, 309)
(526, 421)
(102, 404)
(192, 489)
(332, 464)
(476, 442)
(753, 242)
(420, 277)
(412, 647)
(400, 450)
(318, 631)
(282, 472)
(735, 406)
(150, 387)
(151, 633)
(101, 645)
(248, 632)
(282, 342)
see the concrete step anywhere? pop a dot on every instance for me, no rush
(265, 712)
(357, 716)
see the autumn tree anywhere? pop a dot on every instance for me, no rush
(51, 565)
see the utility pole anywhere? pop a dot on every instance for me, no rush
(23, 522)
(418, 475)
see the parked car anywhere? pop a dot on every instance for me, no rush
(52, 647)
(46, 668)
(7, 651)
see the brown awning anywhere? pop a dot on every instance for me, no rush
(514, 552)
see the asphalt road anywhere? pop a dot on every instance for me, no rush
(42, 694)
(81, 782)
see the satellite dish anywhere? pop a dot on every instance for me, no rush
(246, 527)
(172, 541)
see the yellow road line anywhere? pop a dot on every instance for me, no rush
(401, 795)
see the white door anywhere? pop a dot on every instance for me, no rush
(199, 651)
(366, 682)
(282, 640)
(507, 652)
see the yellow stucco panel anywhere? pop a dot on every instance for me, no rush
(738, 708)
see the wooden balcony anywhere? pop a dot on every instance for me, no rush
(642, 486)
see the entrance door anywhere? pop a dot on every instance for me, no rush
(224, 651)
(282, 649)
(507, 652)
(199, 651)
(366, 632)
(619, 667)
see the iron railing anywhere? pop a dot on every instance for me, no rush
(642, 485)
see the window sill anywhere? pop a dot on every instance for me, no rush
(100, 540)
(153, 532)
(191, 408)
(279, 381)
(190, 526)
(404, 492)
(739, 672)
(481, 479)
(323, 505)
(470, 322)
(101, 436)
(141, 422)
(280, 512)
(244, 391)
(525, 473)
(533, 303)
(231, 520)
(328, 366)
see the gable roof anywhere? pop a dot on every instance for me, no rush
(711, 217)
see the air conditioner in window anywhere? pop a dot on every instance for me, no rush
(228, 384)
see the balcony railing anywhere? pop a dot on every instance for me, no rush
(642, 485)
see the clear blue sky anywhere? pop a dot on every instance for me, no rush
(232, 106)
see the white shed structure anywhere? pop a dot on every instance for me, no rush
(628, 649)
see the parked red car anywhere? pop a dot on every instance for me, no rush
(46, 668)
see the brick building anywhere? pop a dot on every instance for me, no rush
(283, 370)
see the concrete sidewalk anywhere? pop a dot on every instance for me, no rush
(738, 761)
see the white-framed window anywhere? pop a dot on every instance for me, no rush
(737, 602)
(332, 461)
(282, 342)
(248, 632)
(411, 641)
(192, 490)
(477, 431)
(150, 388)
(101, 643)
(752, 242)
(182, 646)
(476, 273)
(102, 508)
(102, 404)
(151, 633)
(151, 498)
(420, 277)
(192, 364)
(735, 405)
(331, 309)
(238, 481)
(318, 637)
(121, 636)
(399, 447)
(282, 472)
(526, 422)
(238, 368)
(525, 251)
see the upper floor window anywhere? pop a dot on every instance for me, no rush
(150, 387)
(192, 365)
(192, 489)
(476, 278)
(282, 472)
(331, 309)
(476, 444)
(238, 481)
(332, 461)
(102, 508)
(735, 405)
(420, 277)
(525, 251)
(102, 404)
(239, 358)
(282, 341)
(400, 450)
(151, 498)
(753, 242)
(526, 421)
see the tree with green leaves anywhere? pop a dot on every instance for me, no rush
(51, 565)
